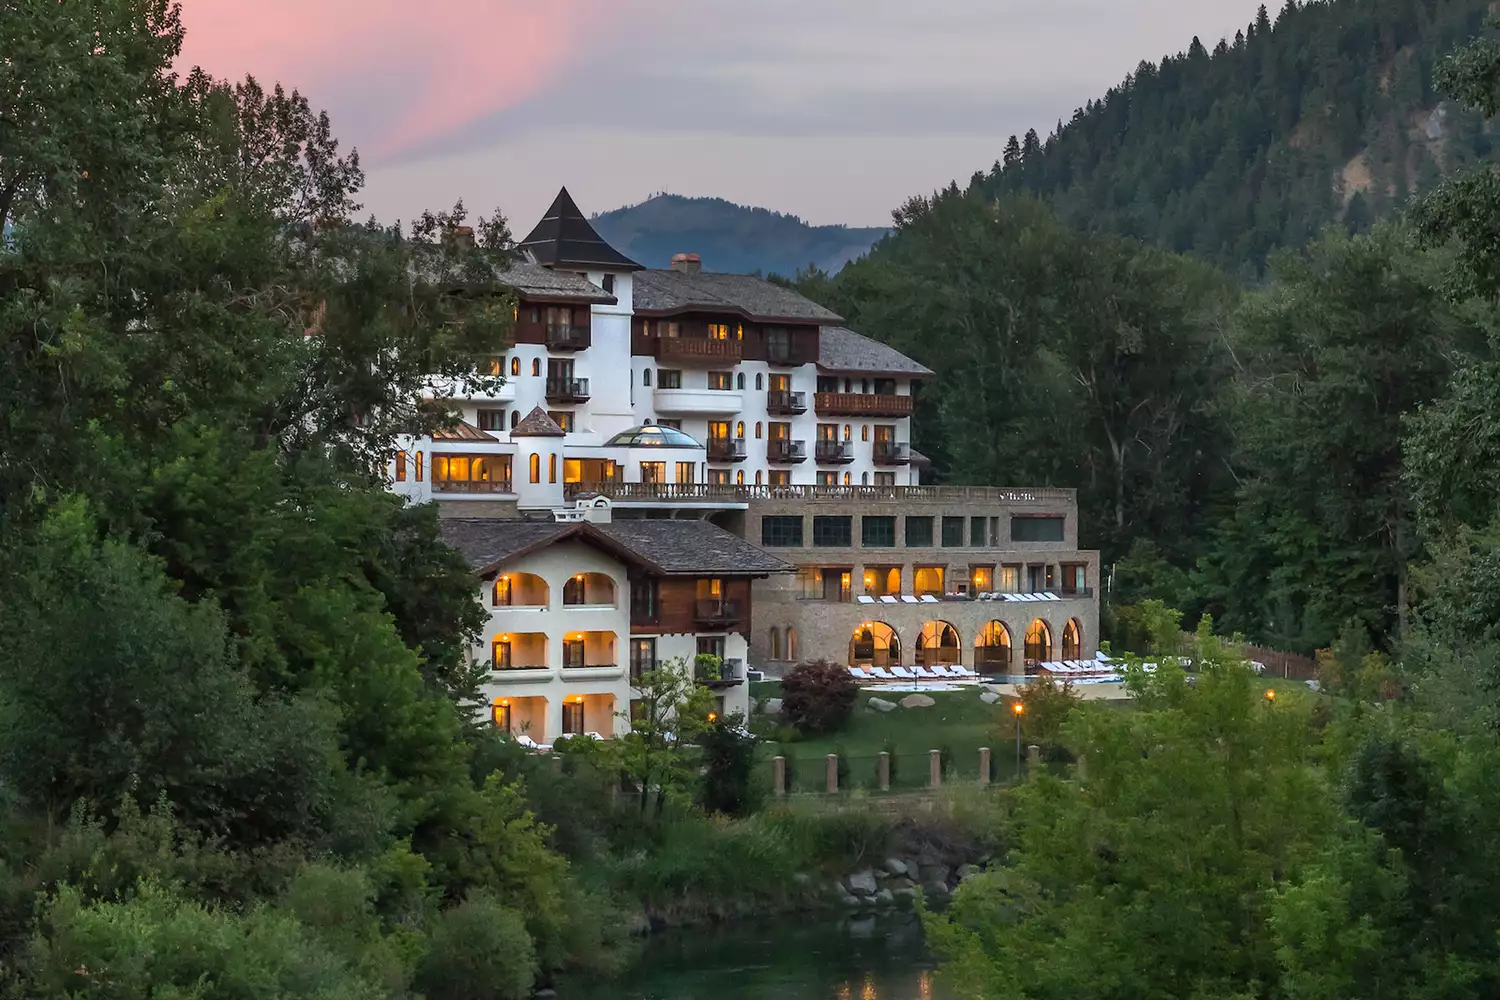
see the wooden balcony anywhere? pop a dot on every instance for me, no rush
(718, 614)
(835, 452)
(699, 350)
(567, 390)
(726, 450)
(783, 452)
(891, 453)
(730, 673)
(862, 404)
(781, 403)
(568, 338)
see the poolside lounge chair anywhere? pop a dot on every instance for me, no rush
(880, 673)
(938, 670)
(929, 599)
(903, 673)
(908, 599)
(859, 673)
(865, 599)
(959, 670)
(888, 599)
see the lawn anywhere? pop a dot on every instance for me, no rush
(957, 721)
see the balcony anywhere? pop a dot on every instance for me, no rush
(729, 673)
(835, 452)
(700, 350)
(567, 390)
(480, 486)
(862, 404)
(892, 453)
(731, 493)
(781, 354)
(783, 452)
(781, 403)
(714, 402)
(726, 450)
(568, 338)
(717, 614)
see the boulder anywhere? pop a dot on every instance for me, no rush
(934, 874)
(905, 897)
(964, 871)
(852, 902)
(862, 883)
(989, 697)
(897, 884)
(771, 706)
(917, 701)
(885, 898)
(895, 866)
(802, 878)
(935, 890)
(881, 705)
(864, 927)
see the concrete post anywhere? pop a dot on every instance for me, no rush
(935, 768)
(778, 775)
(833, 773)
(984, 766)
(1033, 760)
(884, 767)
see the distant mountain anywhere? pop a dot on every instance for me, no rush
(730, 238)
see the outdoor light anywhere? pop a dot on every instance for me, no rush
(1270, 694)
(1018, 708)
(713, 716)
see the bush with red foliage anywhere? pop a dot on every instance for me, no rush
(817, 696)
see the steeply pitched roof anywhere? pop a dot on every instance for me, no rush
(692, 548)
(665, 292)
(565, 239)
(533, 281)
(537, 424)
(842, 350)
(666, 548)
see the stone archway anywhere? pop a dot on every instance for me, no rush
(938, 642)
(874, 644)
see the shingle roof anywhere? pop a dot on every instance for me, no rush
(668, 548)
(565, 239)
(537, 424)
(533, 281)
(754, 298)
(464, 431)
(842, 350)
(692, 547)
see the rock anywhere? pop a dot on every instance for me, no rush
(867, 901)
(989, 697)
(885, 898)
(839, 890)
(934, 874)
(864, 927)
(895, 866)
(964, 871)
(802, 878)
(936, 890)
(905, 897)
(862, 883)
(881, 705)
(544, 994)
(917, 701)
(771, 706)
(897, 884)
(852, 902)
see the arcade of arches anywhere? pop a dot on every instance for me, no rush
(877, 644)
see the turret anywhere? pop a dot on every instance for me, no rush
(538, 477)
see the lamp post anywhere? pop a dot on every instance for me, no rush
(1019, 710)
(1270, 696)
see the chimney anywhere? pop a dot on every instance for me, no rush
(687, 263)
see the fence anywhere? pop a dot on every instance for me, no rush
(887, 773)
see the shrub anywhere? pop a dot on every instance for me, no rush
(478, 950)
(818, 696)
(728, 767)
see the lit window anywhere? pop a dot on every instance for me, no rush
(400, 466)
(515, 366)
(419, 466)
(536, 468)
(552, 468)
(757, 430)
(536, 367)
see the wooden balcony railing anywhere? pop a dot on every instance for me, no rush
(891, 453)
(835, 452)
(567, 390)
(699, 349)
(717, 613)
(568, 338)
(862, 404)
(726, 449)
(782, 403)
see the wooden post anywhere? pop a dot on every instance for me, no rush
(984, 766)
(778, 775)
(833, 773)
(935, 768)
(1033, 760)
(884, 767)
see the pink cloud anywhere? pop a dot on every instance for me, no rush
(409, 71)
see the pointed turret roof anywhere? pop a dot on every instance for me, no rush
(537, 424)
(565, 239)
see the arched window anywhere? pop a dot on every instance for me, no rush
(501, 595)
(400, 466)
(646, 377)
(757, 381)
(791, 643)
(775, 643)
(1072, 645)
(864, 479)
(536, 467)
(848, 479)
(739, 478)
(739, 429)
(864, 432)
(1038, 644)
(419, 466)
(848, 433)
(500, 713)
(552, 468)
(992, 649)
(536, 367)
(573, 590)
(757, 430)
(515, 418)
(515, 366)
(739, 381)
(757, 477)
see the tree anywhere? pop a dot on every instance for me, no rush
(818, 696)
(669, 711)
(479, 950)
(727, 784)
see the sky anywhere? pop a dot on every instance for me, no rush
(833, 110)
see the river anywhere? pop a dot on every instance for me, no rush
(801, 957)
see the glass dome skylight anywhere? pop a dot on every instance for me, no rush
(652, 436)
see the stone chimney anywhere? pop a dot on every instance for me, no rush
(687, 263)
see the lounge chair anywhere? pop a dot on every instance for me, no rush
(929, 599)
(926, 673)
(938, 670)
(593, 736)
(908, 599)
(859, 673)
(959, 670)
(888, 599)
(865, 599)
(903, 674)
(880, 673)
(526, 741)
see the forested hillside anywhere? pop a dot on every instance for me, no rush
(730, 238)
(1327, 114)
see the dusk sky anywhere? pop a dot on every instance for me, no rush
(835, 110)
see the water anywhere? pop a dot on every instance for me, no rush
(800, 957)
